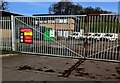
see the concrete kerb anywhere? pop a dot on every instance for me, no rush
(7, 55)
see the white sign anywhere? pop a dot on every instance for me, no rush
(52, 33)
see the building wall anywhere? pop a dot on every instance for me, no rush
(5, 33)
(60, 26)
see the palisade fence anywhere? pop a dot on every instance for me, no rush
(5, 33)
(65, 35)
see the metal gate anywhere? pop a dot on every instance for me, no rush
(76, 36)
(6, 33)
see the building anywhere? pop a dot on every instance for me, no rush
(63, 25)
(6, 28)
(5, 13)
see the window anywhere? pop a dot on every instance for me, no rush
(52, 21)
(63, 21)
(36, 22)
(41, 21)
(45, 21)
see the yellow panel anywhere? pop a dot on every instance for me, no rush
(30, 33)
(27, 33)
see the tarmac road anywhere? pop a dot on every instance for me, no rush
(45, 68)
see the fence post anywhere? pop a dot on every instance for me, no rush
(13, 32)
(86, 40)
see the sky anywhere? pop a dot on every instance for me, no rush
(30, 8)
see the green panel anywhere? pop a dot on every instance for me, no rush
(47, 35)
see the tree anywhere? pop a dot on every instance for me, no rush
(69, 8)
(89, 10)
(99, 10)
(64, 7)
(3, 5)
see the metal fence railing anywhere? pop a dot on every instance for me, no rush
(105, 44)
(76, 36)
(5, 33)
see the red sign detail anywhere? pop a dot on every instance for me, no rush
(27, 37)
(27, 41)
(25, 29)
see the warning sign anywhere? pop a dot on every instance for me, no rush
(26, 35)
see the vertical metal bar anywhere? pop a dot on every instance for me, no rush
(98, 37)
(4, 42)
(76, 27)
(5, 30)
(112, 44)
(33, 47)
(9, 34)
(17, 35)
(55, 25)
(9, 46)
(6, 39)
(60, 27)
(2, 32)
(118, 32)
(41, 35)
(86, 40)
(90, 37)
(96, 28)
(16, 25)
(101, 40)
(1, 35)
(88, 34)
(94, 40)
(104, 54)
(92, 47)
(26, 21)
(23, 25)
(99, 33)
(35, 36)
(83, 35)
(13, 33)
(71, 39)
(103, 43)
(82, 28)
(109, 41)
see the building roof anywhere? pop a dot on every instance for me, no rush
(8, 13)
(49, 14)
